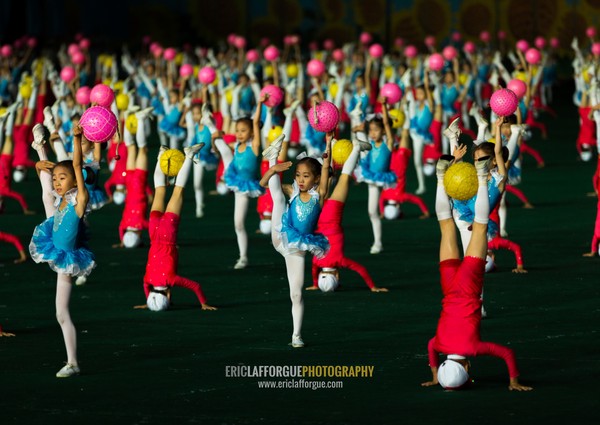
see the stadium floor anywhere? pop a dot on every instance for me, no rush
(140, 367)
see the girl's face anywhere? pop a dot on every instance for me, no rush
(449, 78)
(243, 132)
(173, 97)
(420, 94)
(480, 153)
(375, 132)
(305, 178)
(70, 102)
(196, 114)
(360, 83)
(62, 180)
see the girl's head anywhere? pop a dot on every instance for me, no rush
(449, 77)
(375, 127)
(63, 177)
(243, 130)
(70, 101)
(308, 173)
(420, 93)
(173, 96)
(360, 82)
(487, 149)
(243, 80)
(149, 68)
(196, 112)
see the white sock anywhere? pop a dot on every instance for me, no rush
(287, 126)
(481, 131)
(198, 191)
(350, 164)
(140, 134)
(159, 176)
(184, 173)
(482, 202)
(226, 153)
(503, 213)
(278, 205)
(127, 137)
(59, 148)
(33, 98)
(10, 123)
(442, 203)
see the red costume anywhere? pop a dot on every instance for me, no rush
(21, 134)
(587, 130)
(5, 180)
(136, 202)
(12, 239)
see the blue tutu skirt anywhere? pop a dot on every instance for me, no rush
(466, 213)
(159, 109)
(79, 262)
(208, 159)
(385, 179)
(240, 184)
(98, 198)
(143, 91)
(514, 175)
(170, 124)
(293, 241)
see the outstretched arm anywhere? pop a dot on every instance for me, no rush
(386, 125)
(256, 125)
(324, 182)
(82, 193)
(433, 363)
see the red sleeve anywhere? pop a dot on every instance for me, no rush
(192, 286)
(434, 359)
(7, 237)
(497, 350)
(146, 289)
(315, 274)
(108, 186)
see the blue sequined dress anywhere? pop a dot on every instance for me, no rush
(206, 156)
(375, 167)
(242, 174)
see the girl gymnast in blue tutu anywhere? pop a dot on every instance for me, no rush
(60, 239)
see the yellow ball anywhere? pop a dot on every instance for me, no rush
(171, 162)
(229, 96)
(492, 140)
(398, 117)
(460, 181)
(586, 76)
(179, 59)
(122, 101)
(462, 79)
(387, 72)
(131, 123)
(196, 69)
(25, 91)
(292, 70)
(333, 89)
(108, 61)
(274, 133)
(2, 111)
(521, 76)
(118, 86)
(341, 151)
(348, 70)
(268, 71)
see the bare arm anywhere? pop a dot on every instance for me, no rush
(256, 126)
(324, 181)
(386, 126)
(82, 194)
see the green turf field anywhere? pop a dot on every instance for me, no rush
(140, 367)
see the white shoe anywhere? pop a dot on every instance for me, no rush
(291, 88)
(494, 78)
(575, 43)
(482, 166)
(241, 263)
(376, 249)
(191, 151)
(483, 313)
(420, 191)
(132, 109)
(199, 212)
(357, 111)
(68, 370)
(443, 164)
(297, 341)
(364, 146)
(453, 130)
(144, 113)
(474, 110)
(207, 117)
(406, 78)
(272, 151)
(187, 100)
(38, 137)
(290, 109)
(49, 120)
(81, 280)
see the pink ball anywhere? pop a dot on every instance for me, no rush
(67, 74)
(6, 50)
(540, 42)
(554, 43)
(32, 42)
(313, 46)
(410, 51)
(153, 46)
(315, 68)
(231, 38)
(522, 45)
(78, 58)
(99, 124)
(449, 53)
(376, 50)
(518, 87)
(264, 42)
(484, 36)
(456, 36)
(329, 44)
(338, 55)
(391, 92)
(186, 70)
(83, 95)
(239, 42)
(504, 102)
(169, 53)
(366, 38)
(429, 41)
(324, 116)
(436, 62)
(252, 56)
(207, 75)
(84, 43)
(596, 49)
(157, 52)
(399, 42)
(533, 56)
(470, 47)
(590, 32)
(274, 93)
(287, 41)
(72, 49)
(294, 39)
(501, 35)
(102, 95)
(271, 53)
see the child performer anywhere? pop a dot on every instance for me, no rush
(60, 239)
(12, 239)
(462, 281)
(292, 231)
(330, 226)
(161, 269)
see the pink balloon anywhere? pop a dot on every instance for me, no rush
(366, 38)
(501, 35)
(324, 116)
(484, 36)
(456, 36)
(83, 95)
(186, 70)
(533, 56)
(504, 102)
(84, 43)
(102, 95)
(596, 49)
(429, 41)
(522, 45)
(72, 49)
(6, 50)
(99, 124)
(169, 53)
(78, 58)
(315, 68)
(449, 53)
(410, 51)
(590, 32)
(399, 42)
(274, 93)
(207, 75)
(252, 56)
(67, 74)
(338, 55)
(554, 43)
(469, 47)
(157, 52)
(329, 44)
(376, 50)
(540, 42)
(436, 62)
(231, 38)
(271, 53)
(239, 42)
(518, 87)
(32, 42)
(391, 92)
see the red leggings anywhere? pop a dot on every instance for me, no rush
(12, 239)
